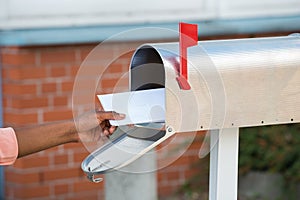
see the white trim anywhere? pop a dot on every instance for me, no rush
(67, 13)
(65, 21)
(74, 13)
(3, 10)
(258, 8)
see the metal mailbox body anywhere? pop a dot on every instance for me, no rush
(234, 83)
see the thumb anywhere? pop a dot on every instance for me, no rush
(109, 115)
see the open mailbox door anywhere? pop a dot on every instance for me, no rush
(234, 83)
(128, 145)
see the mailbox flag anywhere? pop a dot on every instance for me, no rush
(188, 34)
(188, 37)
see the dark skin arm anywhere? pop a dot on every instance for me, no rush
(35, 139)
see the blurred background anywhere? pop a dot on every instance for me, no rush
(43, 44)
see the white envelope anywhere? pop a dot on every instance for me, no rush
(142, 106)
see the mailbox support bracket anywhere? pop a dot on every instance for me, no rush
(223, 176)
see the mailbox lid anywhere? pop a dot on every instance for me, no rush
(129, 144)
(234, 83)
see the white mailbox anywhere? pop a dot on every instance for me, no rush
(234, 83)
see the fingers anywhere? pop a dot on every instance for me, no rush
(112, 129)
(111, 115)
(103, 118)
(107, 129)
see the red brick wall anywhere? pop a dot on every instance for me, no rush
(37, 88)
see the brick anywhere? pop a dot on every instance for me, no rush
(192, 172)
(29, 192)
(165, 190)
(36, 102)
(86, 85)
(19, 58)
(58, 71)
(73, 146)
(20, 118)
(96, 54)
(74, 70)
(175, 146)
(114, 68)
(181, 161)
(33, 161)
(18, 89)
(52, 149)
(108, 83)
(26, 73)
(9, 192)
(58, 174)
(160, 176)
(166, 160)
(79, 157)
(165, 143)
(5, 73)
(58, 56)
(61, 189)
(196, 145)
(126, 56)
(22, 178)
(85, 52)
(49, 87)
(5, 102)
(57, 115)
(61, 159)
(12, 74)
(60, 100)
(172, 175)
(67, 86)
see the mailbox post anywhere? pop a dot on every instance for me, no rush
(223, 176)
(233, 84)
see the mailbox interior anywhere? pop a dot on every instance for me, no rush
(146, 70)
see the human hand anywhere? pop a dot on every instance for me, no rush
(93, 125)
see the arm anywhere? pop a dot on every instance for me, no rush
(34, 139)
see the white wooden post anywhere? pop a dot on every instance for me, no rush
(223, 177)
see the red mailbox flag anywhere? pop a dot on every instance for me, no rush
(188, 36)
